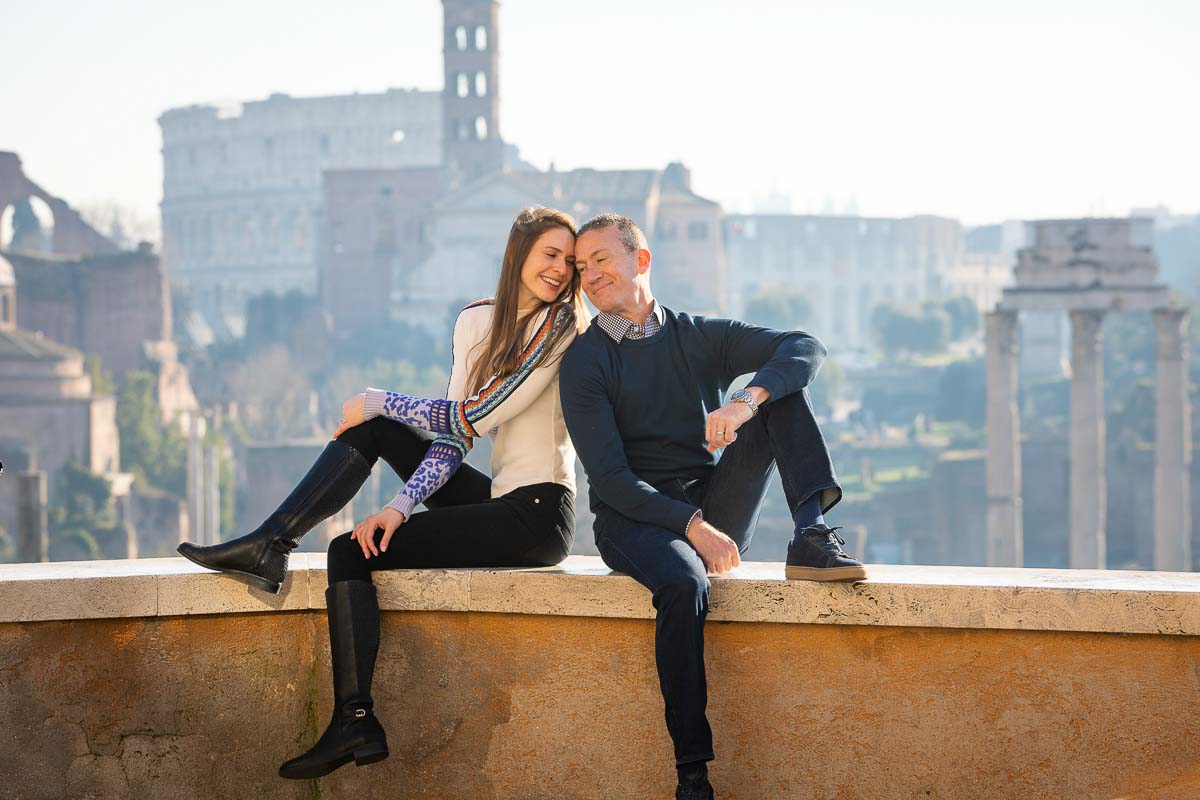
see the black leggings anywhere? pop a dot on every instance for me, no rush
(531, 526)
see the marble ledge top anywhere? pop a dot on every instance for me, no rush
(1102, 601)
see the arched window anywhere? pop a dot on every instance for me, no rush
(481, 84)
(480, 37)
(460, 37)
(460, 130)
(481, 130)
(464, 87)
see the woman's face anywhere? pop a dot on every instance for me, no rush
(549, 267)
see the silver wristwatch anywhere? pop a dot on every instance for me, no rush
(744, 396)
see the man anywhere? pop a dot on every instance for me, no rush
(641, 392)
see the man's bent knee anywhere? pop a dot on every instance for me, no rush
(686, 590)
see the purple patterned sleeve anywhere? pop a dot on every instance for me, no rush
(442, 460)
(417, 411)
(499, 399)
(420, 412)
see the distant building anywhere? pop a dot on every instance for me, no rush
(79, 289)
(845, 266)
(242, 191)
(243, 199)
(377, 233)
(48, 412)
(115, 306)
(980, 277)
(396, 203)
(395, 246)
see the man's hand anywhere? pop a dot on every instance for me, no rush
(389, 519)
(720, 427)
(717, 551)
(352, 414)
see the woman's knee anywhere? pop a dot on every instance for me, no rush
(345, 560)
(363, 437)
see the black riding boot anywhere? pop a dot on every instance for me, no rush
(260, 557)
(354, 733)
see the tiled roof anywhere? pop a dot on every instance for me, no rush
(19, 344)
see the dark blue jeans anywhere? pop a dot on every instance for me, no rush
(783, 435)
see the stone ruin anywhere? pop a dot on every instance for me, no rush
(1088, 268)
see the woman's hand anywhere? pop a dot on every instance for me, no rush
(389, 519)
(352, 414)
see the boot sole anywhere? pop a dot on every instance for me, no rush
(825, 573)
(369, 756)
(256, 581)
(361, 758)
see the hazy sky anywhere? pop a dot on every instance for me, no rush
(978, 110)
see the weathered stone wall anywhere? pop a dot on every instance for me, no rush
(83, 430)
(108, 304)
(198, 697)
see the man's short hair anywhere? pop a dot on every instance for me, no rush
(630, 234)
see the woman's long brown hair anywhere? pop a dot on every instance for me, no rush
(502, 350)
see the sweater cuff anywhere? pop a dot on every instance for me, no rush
(373, 400)
(404, 504)
(772, 381)
(679, 517)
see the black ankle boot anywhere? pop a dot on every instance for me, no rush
(693, 783)
(354, 734)
(260, 557)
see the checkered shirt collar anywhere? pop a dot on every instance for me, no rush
(620, 328)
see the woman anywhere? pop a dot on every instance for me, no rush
(503, 383)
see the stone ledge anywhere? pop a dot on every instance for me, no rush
(1102, 601)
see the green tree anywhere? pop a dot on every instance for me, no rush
(782, 310)
(962, 393)
(964, 317)
(155, 452)
(900, 328)
(84, 524)
(274, 394)
(102, 379)
(393, 340)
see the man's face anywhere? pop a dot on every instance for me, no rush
(608, 271)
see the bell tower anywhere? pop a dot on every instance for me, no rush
(471, 144)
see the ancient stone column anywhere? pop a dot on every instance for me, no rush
(124, 509)
(1172, 445)
(1088, 484)
(33, 541)
(1004, 531)
(196, 507)
(211, 494)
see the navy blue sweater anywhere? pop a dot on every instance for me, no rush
(636, 410)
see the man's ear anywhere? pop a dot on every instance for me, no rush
(643, 259)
